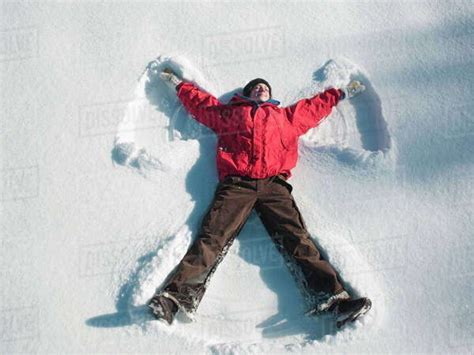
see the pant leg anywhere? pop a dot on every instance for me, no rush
(233, 201)
(283, 221)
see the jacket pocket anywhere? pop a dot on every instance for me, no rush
(285, 133)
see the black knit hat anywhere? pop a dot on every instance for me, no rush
(252, 83)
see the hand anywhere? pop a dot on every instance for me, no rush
(353, 88)
(170, 77)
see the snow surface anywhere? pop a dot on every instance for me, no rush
(105, 177)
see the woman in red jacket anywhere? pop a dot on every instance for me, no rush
(257, 148)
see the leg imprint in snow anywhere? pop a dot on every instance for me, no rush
(158, 139)
(356, 132)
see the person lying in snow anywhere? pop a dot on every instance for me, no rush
(257, 148)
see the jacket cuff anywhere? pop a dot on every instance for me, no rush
(179, 85)
(342, 94)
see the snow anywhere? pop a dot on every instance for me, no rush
(105, 177)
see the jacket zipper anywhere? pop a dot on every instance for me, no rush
(252, 157)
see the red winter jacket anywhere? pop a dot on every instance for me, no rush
(256, 140)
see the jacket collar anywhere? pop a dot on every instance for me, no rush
(239, 99)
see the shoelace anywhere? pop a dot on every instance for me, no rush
(323, 307)
(156, 307)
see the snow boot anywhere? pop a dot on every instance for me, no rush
(348, 310)
(163, 308)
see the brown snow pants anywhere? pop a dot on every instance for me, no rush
(234, 199)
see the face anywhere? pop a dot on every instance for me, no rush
(260, 92)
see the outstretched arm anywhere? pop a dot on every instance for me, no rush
(308, 113)
(203, 106)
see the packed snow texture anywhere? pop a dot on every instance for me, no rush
(105, 176)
